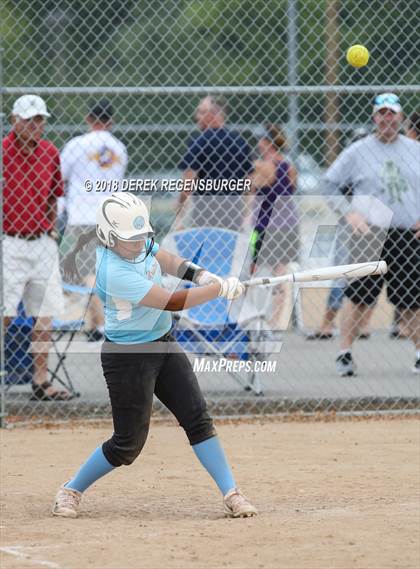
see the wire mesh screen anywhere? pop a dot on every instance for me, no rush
(148, 97)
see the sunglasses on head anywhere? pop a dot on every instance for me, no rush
(386, 99)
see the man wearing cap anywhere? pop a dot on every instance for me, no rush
(32, 184)
(97, 156)
(384, 214)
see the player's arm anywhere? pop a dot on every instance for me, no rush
(184, 269)
(158, 297)
(123, 284)
(211, 286)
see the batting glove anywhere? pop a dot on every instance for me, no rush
(206, 278)
(231, 288)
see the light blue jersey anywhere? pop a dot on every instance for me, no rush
(121, 284)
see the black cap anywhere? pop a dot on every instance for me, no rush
(101, 110)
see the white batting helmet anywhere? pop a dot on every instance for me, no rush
(122, 216)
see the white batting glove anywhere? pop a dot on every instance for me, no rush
(206, 278)
(231, 288)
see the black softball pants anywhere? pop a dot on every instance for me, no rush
(133, 374)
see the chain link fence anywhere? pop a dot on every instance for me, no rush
(163, 74)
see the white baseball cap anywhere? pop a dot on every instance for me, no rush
(387, 101)
(29, 106)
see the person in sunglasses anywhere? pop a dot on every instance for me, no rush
(384, 214)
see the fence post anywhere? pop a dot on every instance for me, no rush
(332, 115)
(293, 78)
(2, 330)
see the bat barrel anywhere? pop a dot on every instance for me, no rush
(352, 271)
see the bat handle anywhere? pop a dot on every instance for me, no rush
(248, 284)
(272, 281)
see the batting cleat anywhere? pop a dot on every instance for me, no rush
(345, 365)
(237, 506)
(67, 503)
(416, 368)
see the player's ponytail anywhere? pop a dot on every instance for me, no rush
(69, 266)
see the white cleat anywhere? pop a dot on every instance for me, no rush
(67, 503)
(237, 506)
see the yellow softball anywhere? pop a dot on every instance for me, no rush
(357, 56)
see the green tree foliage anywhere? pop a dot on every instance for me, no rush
(198, 42)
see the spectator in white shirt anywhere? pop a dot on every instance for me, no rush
(97, 156)
(384, 215)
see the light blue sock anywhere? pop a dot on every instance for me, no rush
(213, 458)
(94, 468)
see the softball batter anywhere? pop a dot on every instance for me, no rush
(140, 358)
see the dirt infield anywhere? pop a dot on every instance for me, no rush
(331, 495)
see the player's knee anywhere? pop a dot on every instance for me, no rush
(129, 455)
(123, 450)
(199, 427)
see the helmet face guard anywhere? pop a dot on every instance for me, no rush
(149, 242)
(122, 216)
(113, 237)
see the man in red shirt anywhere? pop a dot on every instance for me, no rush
(32, 184)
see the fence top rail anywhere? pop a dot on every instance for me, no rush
(212, 90)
